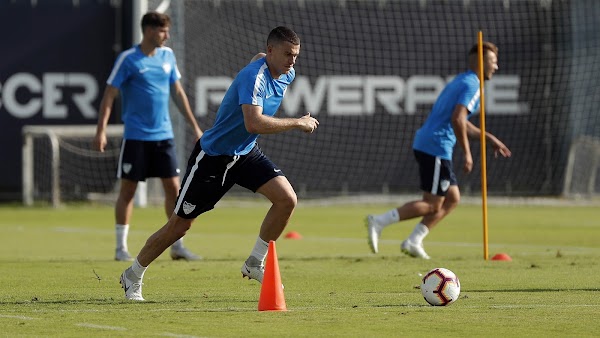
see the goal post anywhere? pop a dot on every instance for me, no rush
(583, 165)
(44, 170)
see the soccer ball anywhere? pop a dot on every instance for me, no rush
(440, 287)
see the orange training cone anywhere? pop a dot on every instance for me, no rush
(293, 235)
(271, 291)
(502, 257)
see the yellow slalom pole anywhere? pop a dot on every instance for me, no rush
(483, 148)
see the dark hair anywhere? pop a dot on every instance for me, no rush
(155, 19)
(283, 34)
(487, 46)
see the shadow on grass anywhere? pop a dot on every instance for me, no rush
(183, 305)
(103, 301)
(535, 290)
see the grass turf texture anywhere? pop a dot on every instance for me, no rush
(58, 276)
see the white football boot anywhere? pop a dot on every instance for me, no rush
(253, 269)
(374, 232)
(132, 287)
(413, 250)
(183, 253)
(123, 256)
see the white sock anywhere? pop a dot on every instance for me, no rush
(418, 233)
(178, 244)
(138, 269)
(387, 218)
(260, 249)
(122, 230)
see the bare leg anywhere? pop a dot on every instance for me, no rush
(123, 211)
(156, 244)
(450, 202)
(280, 192)
(124, 204)
(430, 204)
(171, 189)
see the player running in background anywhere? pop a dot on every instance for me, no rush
(145, 75)
(227, 154)
(433, 146)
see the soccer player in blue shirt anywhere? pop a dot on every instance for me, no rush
(145, 75)
(433, 144)
(227, 154)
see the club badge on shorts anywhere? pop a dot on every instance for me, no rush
(445, 184)
(188, 207)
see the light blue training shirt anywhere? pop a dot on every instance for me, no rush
(145, 84)
(436, 137)
(253, 85)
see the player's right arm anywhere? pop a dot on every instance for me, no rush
(459, 124)
(108, 99)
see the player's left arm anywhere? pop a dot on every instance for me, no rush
(183, 104)
(257, 123)
(258, 56)
(499, 148)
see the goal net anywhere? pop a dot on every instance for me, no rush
(370, 71)
(59, 164)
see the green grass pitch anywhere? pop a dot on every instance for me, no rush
(58, 276)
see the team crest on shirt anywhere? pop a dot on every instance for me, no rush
(166, 67)
(188, 207)
(444, 184)
(127, 167)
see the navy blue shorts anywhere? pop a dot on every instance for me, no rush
(142, 159)
(436, 173)
(208, 178)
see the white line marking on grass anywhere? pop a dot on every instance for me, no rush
(511, 306)
(529, 306)
(362, 240)
(457, 244)
(17, 317)
(80, 230)
(101, 327)
(169, 334)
